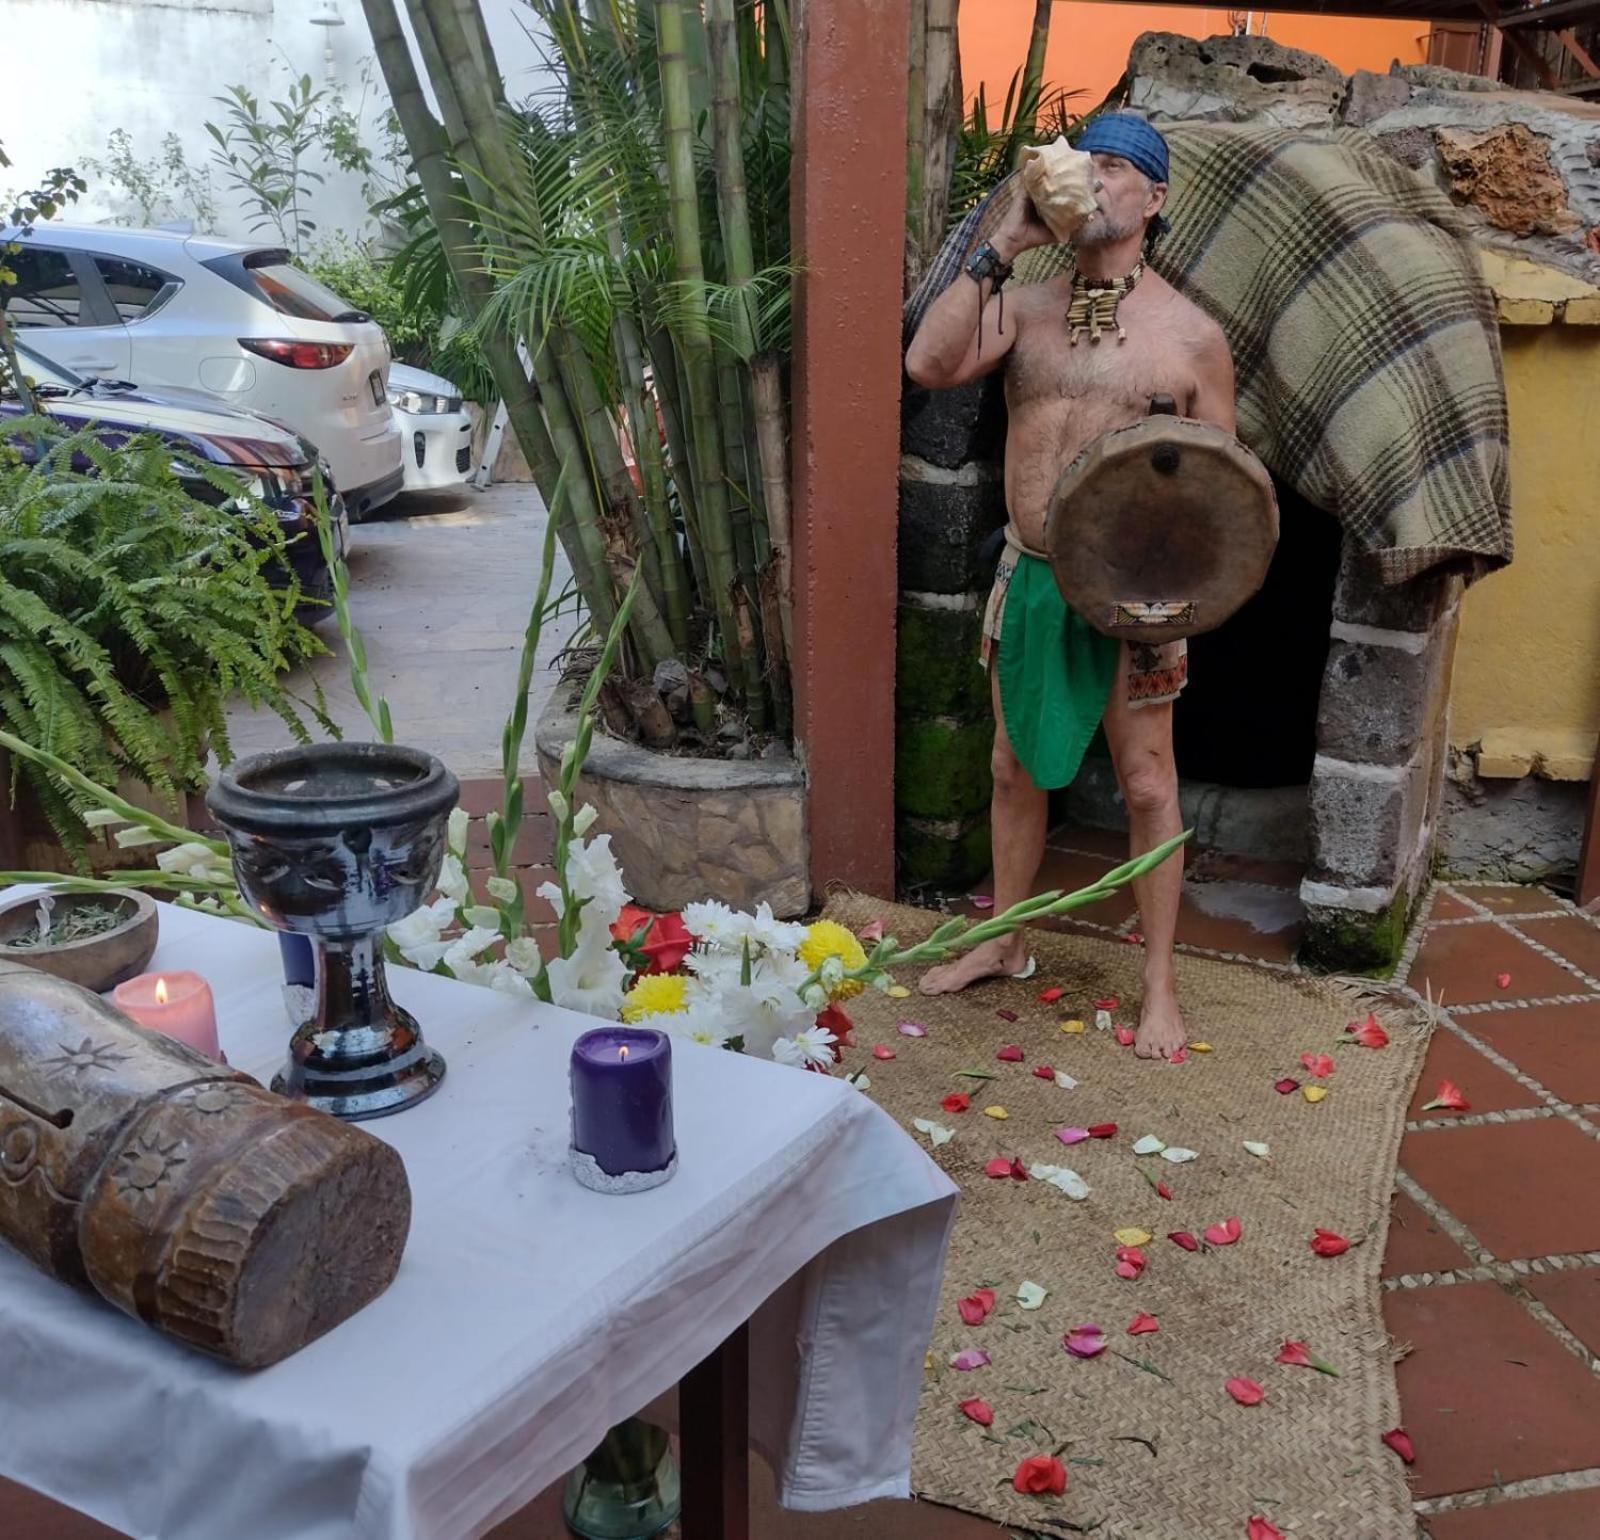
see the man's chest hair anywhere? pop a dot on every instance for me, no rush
(1045, 367)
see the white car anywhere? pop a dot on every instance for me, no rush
(435, 431)
(237, 321)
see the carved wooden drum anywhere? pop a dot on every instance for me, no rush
(1161, 530)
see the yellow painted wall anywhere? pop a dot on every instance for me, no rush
(1089, 42)
(1527, 670)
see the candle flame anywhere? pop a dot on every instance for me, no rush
(622, 1052)
(161, 991)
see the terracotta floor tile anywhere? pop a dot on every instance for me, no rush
(1475, 1415)
(1575, 938)
(1523, 1189)
(1529, 900)
(1557, 1516)
(1487, 1087)
(1069, 870)
(1222, 866)
(28, 1516)
(1574, 1297)
(1416, 1243)
(1446, 906)
(1462, 962)
(1097, 842)
(1559, 1045)
(1242, 917)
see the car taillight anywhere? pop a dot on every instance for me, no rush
(298, 355)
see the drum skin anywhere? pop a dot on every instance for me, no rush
(1161, 530)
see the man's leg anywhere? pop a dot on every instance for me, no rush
(1141, 751)
(1017, 817)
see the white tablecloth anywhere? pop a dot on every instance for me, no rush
(528, 1315)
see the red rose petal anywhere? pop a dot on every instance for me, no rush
(1317, 1065)
(1130, 1262)
(1329, 1243)
(1006, 1016)
(1179, 1056)
(1050, 996)
(1110, 1003)
(1503, 980)
(1041, 1475)
(1143, 1323)
(978, 1411)
(1245, 1392)
(1185, 1239)
(1124, 1035)
(956, 1101)
(1259, 1529)
(1019, 1172)
(1102, 1130)
(999, 1166)
(1285, 1086)
(1224, 1234)
(975, 1308)
(1010, 1053)
(1044, 1072)
(1400, 1441)
(881, 1052)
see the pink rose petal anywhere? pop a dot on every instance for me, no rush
(873, 931)
(1085, 1341)
(1245, 1392)
(1011, 1054)
(982, 901)
(969, 1359)
(1503, 980)
(1072, 1135)
(881, 1052)
(1124, 1035)
(1143, 1323)
(997, 1167)
(1285, 1086)
(1224, 1234)
(912, 1029)
(1179, 1056)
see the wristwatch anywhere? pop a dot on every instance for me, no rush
(984, 263)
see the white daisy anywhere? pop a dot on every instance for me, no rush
(809, 1049)
(712, 922)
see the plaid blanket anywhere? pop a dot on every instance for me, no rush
(1363, 333)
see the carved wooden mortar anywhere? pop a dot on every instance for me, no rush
(180, 1190)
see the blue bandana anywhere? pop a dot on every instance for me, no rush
(1121, 133)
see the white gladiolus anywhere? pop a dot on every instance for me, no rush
(418, 935)
(583, 819)
(132, 839)
(482, 914)
(523, 955)
(502, 889)
(592, 874)
(189, 860)
(102, 818)
(455, 835)
(558, 805)
(453, 879)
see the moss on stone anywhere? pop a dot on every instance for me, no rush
(1345, 941)
(940, 856)
(941, 768)
(937, 673)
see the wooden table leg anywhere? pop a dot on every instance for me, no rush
(714, 1434)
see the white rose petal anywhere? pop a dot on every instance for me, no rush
(1065, 1081)
(1102, 1020)
(936, 1132)
(1031, 1295)
(1062, 1177)
(1178, 1155)
(1257, 1148)
(1149, 1145)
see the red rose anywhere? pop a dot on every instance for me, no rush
(833, 1019)
(1041, 1473)
(661, 940)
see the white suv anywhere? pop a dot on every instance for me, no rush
(240, 322)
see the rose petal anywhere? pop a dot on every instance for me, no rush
(1130, 1261)
(1050, 996)
(999, 1114)
(1318, 1065)
(1400, 1441)
(1011, 1054)
(1259, 1529)
(1072, 1028)
(1448, 1098)
(898, 992)
(1102, 1021)
(1143, 1323)
(1368, 1033)
(1179, 1056)
(871, 931)
(978, 1411)
(982, 901)
(1285, 1086)
(1072, 1135)
(1245, 1392)
(912, 1029)
(1257, 1148)
(1102, 1130)
(1085, 1341)
(1044, 1072)
(1149, 1145)
(956, 1101)
(1019, 1172)
(1329, 1243)
(880, 1052)
(1185, 1239)
(1124, 1035)
(1031, 1295)
(975, 1308)
(1134, 938)
(1313, 1093)
(1110, 1003)
(1224, 1234)
(1041, 1475)
(1199, 1047)
(968, 1359)
(1178, 1155)
(1006, 1015)
(936, 1132)
(1062, 1177)
(1503, 980)
(1065, 1081)
(1132, 1236)
(998, 1167)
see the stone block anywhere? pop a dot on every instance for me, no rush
(1378, 701)
(941, 768)
(1358, 828)
(1412, 147)
(1362, 599)
(1369, 96)
(1505, 173)
(941, 528)
(1233, 80)
(1356, 941)
(947, 857)
(951, 427)
(937, 673)
(1511, 831)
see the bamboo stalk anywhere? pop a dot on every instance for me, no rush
(766, 383)
(916, 143)
(775, 42)
(694, 341)
(1032, 79)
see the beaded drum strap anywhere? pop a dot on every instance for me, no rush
(1093, 306)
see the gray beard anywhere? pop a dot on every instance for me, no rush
(1100, 231)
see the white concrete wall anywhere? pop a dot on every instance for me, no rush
(73, 70)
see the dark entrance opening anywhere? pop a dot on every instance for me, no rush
(1248, 716)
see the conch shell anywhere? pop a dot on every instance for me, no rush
(1060, 180)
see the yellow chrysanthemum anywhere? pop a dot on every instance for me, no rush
(825, 939)
(656, 994)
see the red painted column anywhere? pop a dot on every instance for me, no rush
(847, 207)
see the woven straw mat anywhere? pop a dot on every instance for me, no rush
(1308, 1457)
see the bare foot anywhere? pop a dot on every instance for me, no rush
(1161, 1031)
(996, 959)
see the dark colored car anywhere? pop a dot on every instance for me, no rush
(275, 463)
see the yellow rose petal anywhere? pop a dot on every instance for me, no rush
(1199, 1047)
(1072, 1026)
(1132, 1236)
(1313, 1093)
(996, 1112)
(898, 992)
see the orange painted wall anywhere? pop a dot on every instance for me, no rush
(1089, 42)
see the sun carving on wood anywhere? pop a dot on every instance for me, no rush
(147, 1164)
(86, 1056)
(214, 1097)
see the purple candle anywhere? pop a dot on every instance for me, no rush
(622, 1138)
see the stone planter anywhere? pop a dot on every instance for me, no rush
(686, 830)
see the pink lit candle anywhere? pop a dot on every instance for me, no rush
(178, 1005)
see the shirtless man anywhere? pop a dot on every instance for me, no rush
(1061, 396)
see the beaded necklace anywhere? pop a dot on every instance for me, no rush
(1094, 302)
